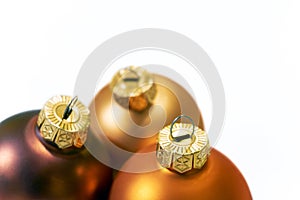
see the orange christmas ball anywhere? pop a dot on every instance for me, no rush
(136, 105)
(218, 179)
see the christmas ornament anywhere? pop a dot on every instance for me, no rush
(136, 105)
(42, 154)
(188, 170)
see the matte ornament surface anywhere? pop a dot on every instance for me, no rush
(31, 168)
(218, 179)
(115, 121)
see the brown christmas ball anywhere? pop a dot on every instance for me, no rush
(218, 179)
(136, 105)
(32, 167)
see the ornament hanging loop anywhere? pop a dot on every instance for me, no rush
(131, 79)
(69, 108)
(182, 137)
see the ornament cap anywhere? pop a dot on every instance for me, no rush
(133, 88)
(64, 121)
(182, 146)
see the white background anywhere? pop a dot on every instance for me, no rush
(254, 44)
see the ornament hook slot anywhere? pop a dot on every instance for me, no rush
(182, 137)
(131, 79)
(69, 108)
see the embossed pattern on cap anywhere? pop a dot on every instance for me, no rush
(186, 154)
(64, 132)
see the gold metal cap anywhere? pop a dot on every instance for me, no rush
(64, 121)
(133, 87)
(182, 146)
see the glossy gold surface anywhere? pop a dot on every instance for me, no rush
(115, 121)
(131, 81)
(133, 87)
(31, 168)
(68, 132)
(186, 154)
(219, 179)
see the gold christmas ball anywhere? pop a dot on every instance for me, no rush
(136, 105)
(218, 179)
(42, 156)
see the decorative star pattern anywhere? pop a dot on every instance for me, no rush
(183, 163)
(64, 139)
(48, 131)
